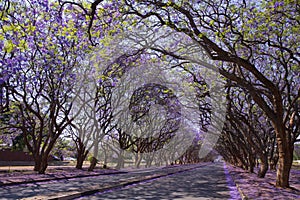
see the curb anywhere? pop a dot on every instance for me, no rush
(242, 194)
(244, 197)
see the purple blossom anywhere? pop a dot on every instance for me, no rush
(106, 6)
(2, 81)
(278, 4)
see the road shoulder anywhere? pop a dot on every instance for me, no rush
(252, 187)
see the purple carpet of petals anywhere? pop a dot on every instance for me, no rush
(264, 188)
(51, 174)
(234, 193)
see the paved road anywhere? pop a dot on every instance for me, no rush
(207, 182)
(202, 182)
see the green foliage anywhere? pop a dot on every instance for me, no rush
(19, 143)
(63, 147)
(90, 158)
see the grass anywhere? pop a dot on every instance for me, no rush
(296, 165)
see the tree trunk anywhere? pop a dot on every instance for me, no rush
(80, 159)
(273, 155)
(120, 163)
(285, 152)
(81, 155)
(251, 162)
(251, 168)
(149, 161)
(96, 148)
(263, 166)
(40, 163)
(44, 164)
(274, 161)
(95, 156)
(37, 162)
(93, 164)
(272, 166)
(138, 159)
(105, 157)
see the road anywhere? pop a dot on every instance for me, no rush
(208, 182)
(185, 182)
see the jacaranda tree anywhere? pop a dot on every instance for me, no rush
(257, 44)
(40, 49)
(254, 43)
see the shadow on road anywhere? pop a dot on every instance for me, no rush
(208, 182)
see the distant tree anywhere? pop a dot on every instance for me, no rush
(63, 148)
(249, 129)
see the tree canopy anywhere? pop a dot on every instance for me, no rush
(253, 46)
